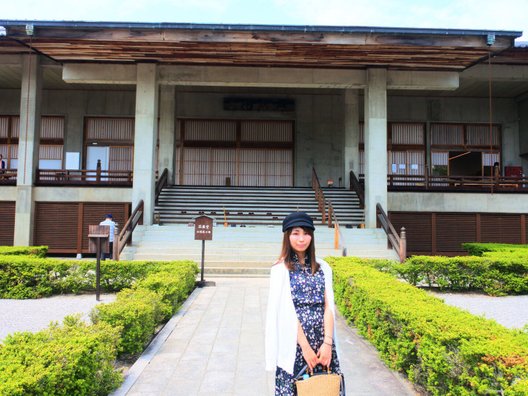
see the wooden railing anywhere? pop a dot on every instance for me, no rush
(8, 177)
(339, 240)
(397, 242)
(125, 236)
(84, 177)
(161, 182)
(319, 195)
(430, 183)
(356, 186)
(456, 183)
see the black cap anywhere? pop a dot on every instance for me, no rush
(297, 219)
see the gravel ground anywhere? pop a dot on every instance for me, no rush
(34, 315)
(510, 311)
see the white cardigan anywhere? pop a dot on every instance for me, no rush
(281, 319)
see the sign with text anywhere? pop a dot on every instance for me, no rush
(203, 228)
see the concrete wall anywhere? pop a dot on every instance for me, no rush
(457, 202)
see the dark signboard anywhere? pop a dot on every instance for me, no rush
(203, 228)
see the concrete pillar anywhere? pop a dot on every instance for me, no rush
(375, 144)
(145, 134)
(28, 148)
(166, 133)
(351, 155)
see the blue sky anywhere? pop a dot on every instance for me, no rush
(460, 14)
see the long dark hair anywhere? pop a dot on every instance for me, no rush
(287, 250)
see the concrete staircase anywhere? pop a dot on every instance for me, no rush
(252, 240)
(233, 250)
(243, 251)
(251, 206)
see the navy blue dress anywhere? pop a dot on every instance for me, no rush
(308, 299)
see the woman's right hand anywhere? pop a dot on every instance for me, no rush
(310, 357)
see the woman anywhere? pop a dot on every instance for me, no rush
(300, 317)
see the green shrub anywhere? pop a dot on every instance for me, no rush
(134, 313)
(495, 273)
(478, 249)
(72, 359)
(38, 251)
(172, 287)
(32, 277)
(150, 294)
(442, 348)
(151, 301)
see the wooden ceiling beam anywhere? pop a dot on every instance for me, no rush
(255, 36)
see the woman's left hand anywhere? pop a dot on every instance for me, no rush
(325, 355)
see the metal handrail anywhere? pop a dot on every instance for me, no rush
(356, 186)
(397, 242)
(125, 236)
(319, 195)
(161, 183)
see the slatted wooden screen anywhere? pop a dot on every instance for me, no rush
(453, 229)
(7, 222)
(418, 229)
(443, 233)
(9, 132)
(501, 228)
(241, 152)
(116, 133)
(63, 226)
(56, 226)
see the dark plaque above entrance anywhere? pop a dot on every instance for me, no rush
(259, 104)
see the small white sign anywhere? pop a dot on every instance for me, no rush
(402, 166)
(414, 166)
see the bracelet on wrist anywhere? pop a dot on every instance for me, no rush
(327, 343)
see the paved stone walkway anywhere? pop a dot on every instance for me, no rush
(215, 346)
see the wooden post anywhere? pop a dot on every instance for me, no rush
(403, 245)
(115, 247)
(98, 171)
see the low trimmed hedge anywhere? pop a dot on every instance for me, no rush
(478, 249)
(444, 349)
(39, 251)
(72, 359)
(495, 274)
(31, 277)
(151, 292)
(151, 301)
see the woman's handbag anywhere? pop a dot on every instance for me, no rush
(324, 383)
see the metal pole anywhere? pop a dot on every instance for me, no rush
(203, 254)
(98, 271)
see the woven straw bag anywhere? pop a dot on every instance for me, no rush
(324, 383)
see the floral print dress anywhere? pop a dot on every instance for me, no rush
(308, 293)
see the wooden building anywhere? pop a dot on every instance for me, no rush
(433, 121)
